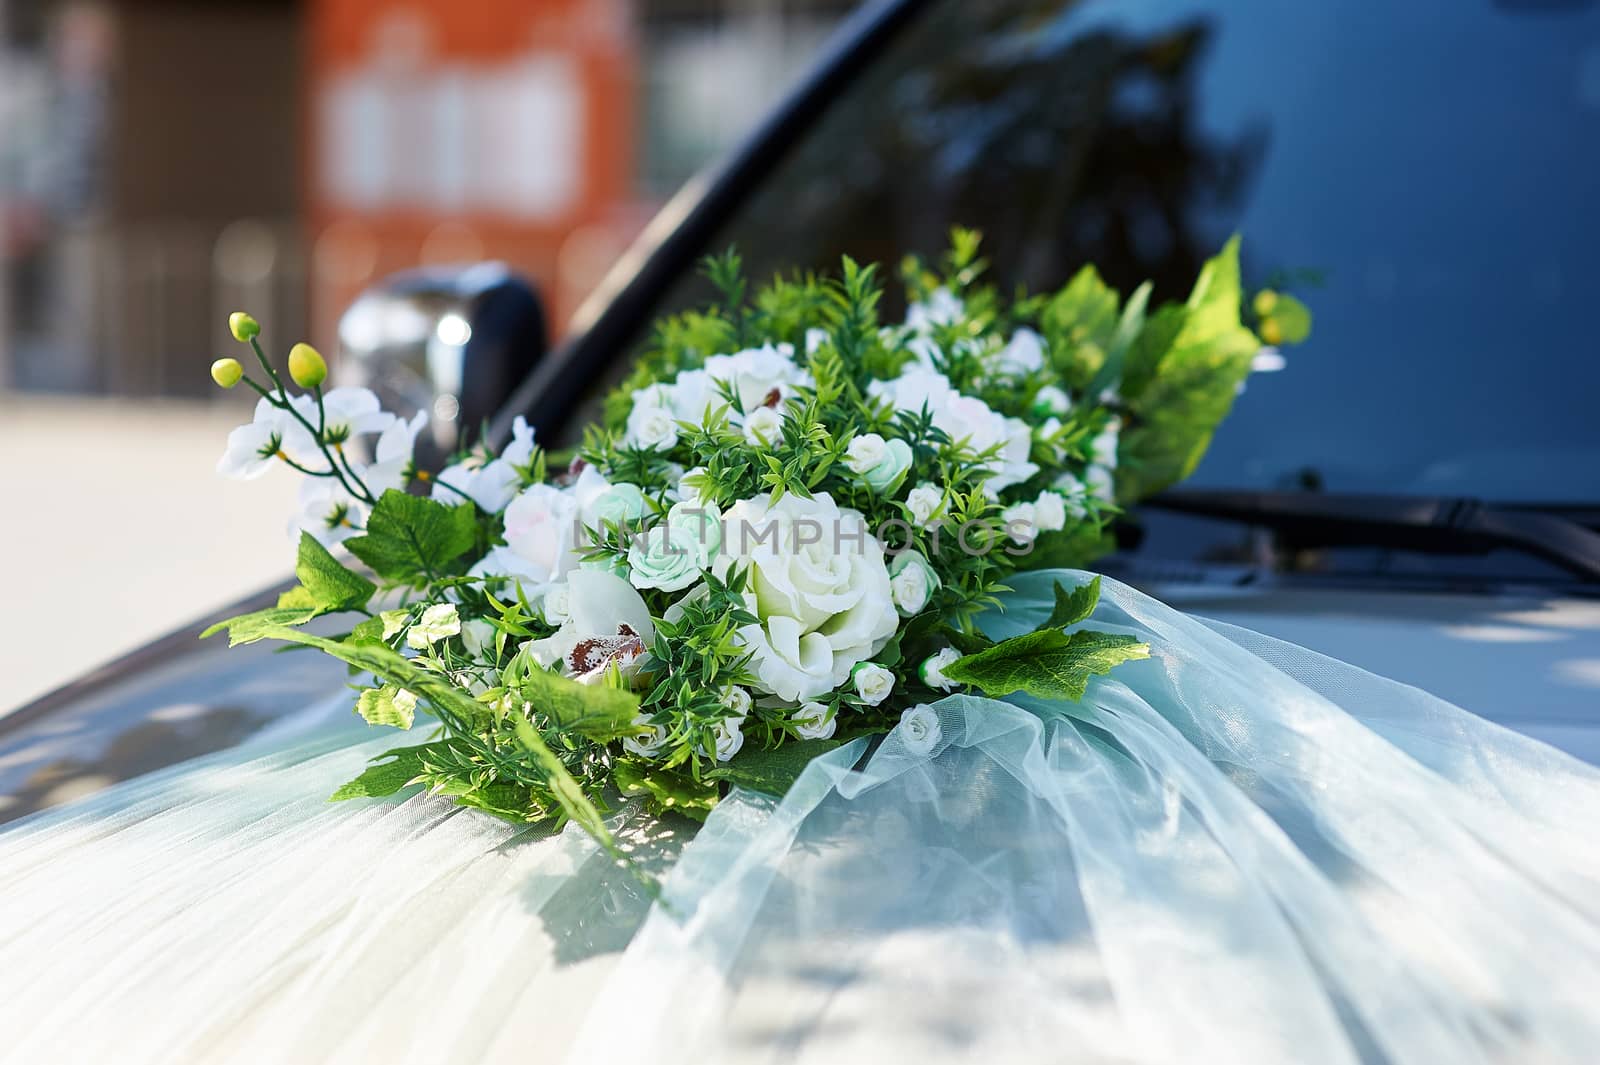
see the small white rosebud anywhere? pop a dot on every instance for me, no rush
(727, 739)
(647, 743)
(873, 682)
(865, 452)
(919, 729)
(924, 503)
(1101, 483)
(814, 721)
(1050, 512)
(912, 582)
(478, 636)
(932, 669)
(763, 427)
(1021, 522)
(1052, 400)
(557, 604)
(737, 700)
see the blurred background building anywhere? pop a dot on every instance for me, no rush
(165, 161)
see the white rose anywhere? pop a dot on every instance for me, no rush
(873, 682)
(1104, 445)
(1101, 482)
(1021, 522)
(648, 743)
(1050, 512)
(924, 503)
(478, 636)
(814, 721)
(912, 582)
(942, 307)
(1052, 400)
(1074, 494)
(880, 463)
(692, 487)
(557, 605)
(819, 586)
(932, 669)
(763, 427)
(865, 452)
(965, 419)
(756, 373)
(652, 428)
(919, 729)
(437, 623)
(540, 529)
(1023, 354)
(738, 701)
(728, 738)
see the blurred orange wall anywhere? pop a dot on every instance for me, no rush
(456, 130)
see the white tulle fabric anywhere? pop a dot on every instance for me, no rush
(1235, 852)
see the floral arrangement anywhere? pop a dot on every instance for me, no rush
(781, 538)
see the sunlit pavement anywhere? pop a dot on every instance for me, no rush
(115, 528)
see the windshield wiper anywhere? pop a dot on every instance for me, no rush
(1417, 523)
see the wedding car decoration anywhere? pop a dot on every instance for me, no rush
(782, 536)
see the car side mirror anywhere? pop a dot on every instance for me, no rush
(454, 341)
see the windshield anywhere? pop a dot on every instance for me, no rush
(1421, 174)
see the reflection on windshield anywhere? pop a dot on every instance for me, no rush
(1420, 173)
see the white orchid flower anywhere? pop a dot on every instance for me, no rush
(607, 624)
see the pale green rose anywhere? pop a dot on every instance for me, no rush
(620, 504)
(881, 464)
(912, 582)
(674, 554)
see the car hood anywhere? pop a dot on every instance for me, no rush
(1528, 662)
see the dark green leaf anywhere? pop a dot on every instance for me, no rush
(1193, 385)
(567, 791)
(1048, 663)
(388, 773)
(1075, 605)
(598, 711)
(328, 583)
(410, 539)
(773, 770)
(667, 790)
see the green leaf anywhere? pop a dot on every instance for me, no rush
(387, 706)
(1149, 347)
(1049, 663)
(574, 803)
(328, 583)
(666, 790)
(1075, 605)
(772, 770)
(297, 597)
(1192, 385)
(263, 624)
(598, 711)
(388, 773)
(410, 539)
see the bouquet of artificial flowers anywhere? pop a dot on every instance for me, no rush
(781, 537)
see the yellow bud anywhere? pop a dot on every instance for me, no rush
(227, 372)
(1266, 300)
(1271, 331)
(306, 366)
(243, 327)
